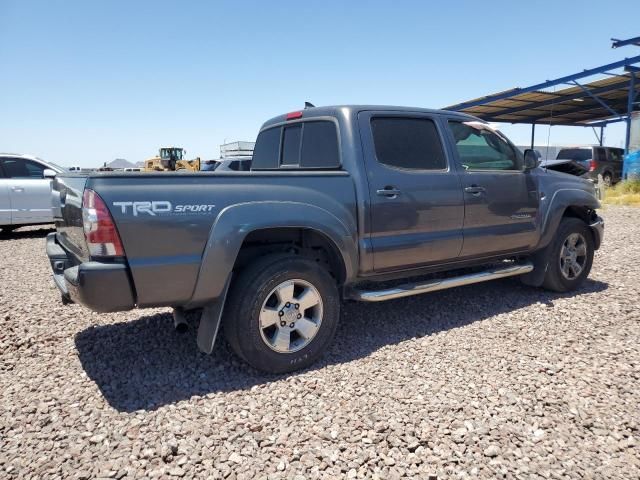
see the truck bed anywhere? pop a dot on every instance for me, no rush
(164, 245)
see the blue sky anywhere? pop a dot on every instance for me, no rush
(84, 82)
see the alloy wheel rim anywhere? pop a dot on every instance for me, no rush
(573, 256)
(290, 316)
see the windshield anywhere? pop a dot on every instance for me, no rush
(167, 153)
(56, 166)
(577, 154)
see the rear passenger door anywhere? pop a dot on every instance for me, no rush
(417, 208)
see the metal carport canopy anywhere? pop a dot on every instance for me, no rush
(593, 104)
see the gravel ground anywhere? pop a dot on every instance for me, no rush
(495, 380)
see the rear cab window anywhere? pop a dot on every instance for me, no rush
(577, 154)
(310, 144)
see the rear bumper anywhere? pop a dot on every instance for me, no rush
(597, 227)
(102, 287)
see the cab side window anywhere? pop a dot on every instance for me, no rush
(482, 148)
(616, 155)
(600, 154)
(408, 143)
(21, 168)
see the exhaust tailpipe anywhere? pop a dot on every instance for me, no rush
(180, 321)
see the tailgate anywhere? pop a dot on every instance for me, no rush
(67, 193)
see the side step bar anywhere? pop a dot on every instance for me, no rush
(409, 289)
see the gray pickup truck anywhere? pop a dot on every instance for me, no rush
(364, 203)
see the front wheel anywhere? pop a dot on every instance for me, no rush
(571, 256)
(282, 313)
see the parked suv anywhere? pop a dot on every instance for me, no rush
(605, 161)
(25, 191)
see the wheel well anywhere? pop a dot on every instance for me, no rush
(586, 214)
(298, 241)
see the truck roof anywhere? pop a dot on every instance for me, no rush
(332, 110)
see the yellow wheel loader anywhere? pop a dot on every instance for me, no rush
(171, 159)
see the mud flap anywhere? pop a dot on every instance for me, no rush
(210, 321)
(540, 260)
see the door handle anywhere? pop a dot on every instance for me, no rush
(388, 192)
(17, 189)
(475, 190)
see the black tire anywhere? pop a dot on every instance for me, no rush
(554, 278)
(253, 287)
(607, 179)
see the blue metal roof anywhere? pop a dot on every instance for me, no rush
(607, 99)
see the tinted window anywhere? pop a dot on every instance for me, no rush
(291, 145)
(240, 165)
(578, 154)
(209, 165)
(411, 143)
(320, 145)
(310, 144)
(20, 168)
(615, 154)
(600, 154)
(482, 148)
(267, 149)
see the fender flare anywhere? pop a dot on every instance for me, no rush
(558, 204)
(552, 216)
(235, 222)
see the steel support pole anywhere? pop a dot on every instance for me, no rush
(630, 99)
(601, 134)
(533, 134)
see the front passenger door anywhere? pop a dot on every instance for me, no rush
(501, 199)
(29, 191)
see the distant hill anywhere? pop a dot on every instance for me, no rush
(120, 163)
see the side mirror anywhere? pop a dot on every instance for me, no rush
(48, 173)
(531, 160)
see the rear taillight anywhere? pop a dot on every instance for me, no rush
(99, 230)
(592, 165)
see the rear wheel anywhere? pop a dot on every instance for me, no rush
(282, 313)
(607, 179)
(571, 256)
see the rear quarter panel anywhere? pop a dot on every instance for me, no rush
(165, 250)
